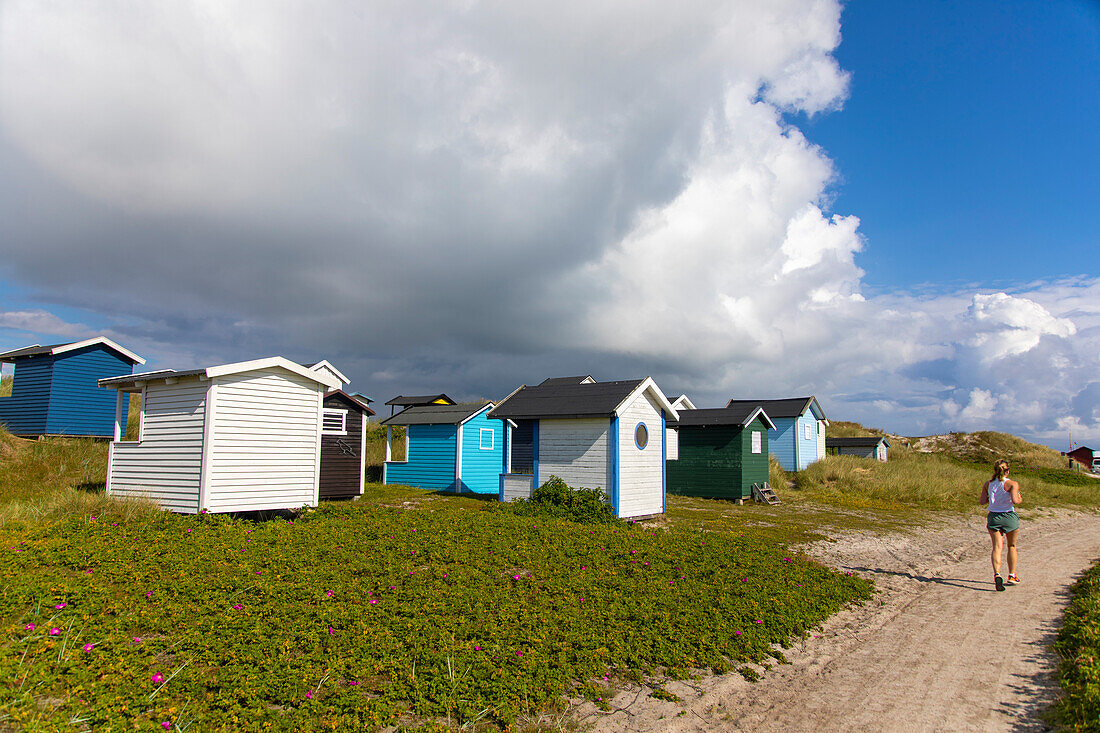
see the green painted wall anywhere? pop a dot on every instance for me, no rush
(718, 462)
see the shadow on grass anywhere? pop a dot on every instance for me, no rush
(92, 487)
(978, 585)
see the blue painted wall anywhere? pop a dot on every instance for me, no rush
(58, 395)
(25, 411)
(77, 405)
(481, 468)
(781, 441)
(431, 463)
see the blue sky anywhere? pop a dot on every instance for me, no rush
(968, 142)
(890, 205)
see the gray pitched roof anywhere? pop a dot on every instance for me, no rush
(403, 401)
(867, 442)
(39, 350)
(594, 399)
(554, 381)
(351, 400)
(791, 407)
(129, 379)
(737, 415)
(435, 414)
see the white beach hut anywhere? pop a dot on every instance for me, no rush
(234, 437)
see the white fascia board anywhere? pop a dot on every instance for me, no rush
(648, 385)
(98, 340)
(239, 367)
(327, 365)
(683, 401)
(760, 411)
(510, 395)
(486, 406)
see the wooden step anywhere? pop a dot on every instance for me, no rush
(764, 493)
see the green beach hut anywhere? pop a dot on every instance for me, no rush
(722, 452)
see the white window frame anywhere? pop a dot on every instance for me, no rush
(757, 442)
(329, 412)
(806, 432)
(481, 438)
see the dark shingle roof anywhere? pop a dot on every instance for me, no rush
(792, 407)
(403, 401)
(351, 400)
(434, 414)
(738, 415)
(29, 351)
(554, 381)
(38, 349)
(149, 376)
(870, 442)
(595, 399)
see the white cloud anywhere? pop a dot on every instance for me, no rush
(42, 322)
(480, 194)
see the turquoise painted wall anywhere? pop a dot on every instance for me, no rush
(481, 467)
(431, 463)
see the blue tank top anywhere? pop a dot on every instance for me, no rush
(1000, 498)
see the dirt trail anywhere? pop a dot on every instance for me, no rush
(938, 649)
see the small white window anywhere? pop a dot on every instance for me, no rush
(757, 443)
(334, 422)
(807, 431)
(486, 438)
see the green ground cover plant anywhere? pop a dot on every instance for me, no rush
(1079, 647)
(400, 609)
(555, 498)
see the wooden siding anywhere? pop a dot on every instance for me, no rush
(820, 439)
(781, 442)
(576, 451)
(807, 447)
(717, 461)
(165, 466)
(641, 487)
(481, 468)
(78, 406)
(431, 463)
(24, 412)
(523, 441)
(672, 445)
(516, 486)
(342, 456)
(265, 451)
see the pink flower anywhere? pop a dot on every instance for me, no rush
(91, 518)
(28, 627)
(54, 631)
(515, 577)
(88, 647)
(237, 607)
(519, 654)
(738, 633)
(148, 593)
(137, 639)
(329, 593)
(374, 601)
(744, 580)
(477, 649)
(309, 695)
(61, 605)
(188, 529)
(158, 677)
(758, 621)
(166, 725)
(582, 599)
(331, 632)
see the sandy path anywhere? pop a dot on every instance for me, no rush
(938, 649)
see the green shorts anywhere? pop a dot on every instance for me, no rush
(1003, 522)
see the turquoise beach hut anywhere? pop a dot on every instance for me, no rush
(447, 448)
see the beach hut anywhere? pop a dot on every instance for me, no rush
(799, 435)
(233, 437)
(672, 450)
(343, 445)
(55, 388)
(869, 447)
(448, 447)
(723, 452)
(597, 435)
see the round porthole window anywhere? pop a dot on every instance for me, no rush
(641, 436)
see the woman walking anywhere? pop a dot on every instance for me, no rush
(1002, 495)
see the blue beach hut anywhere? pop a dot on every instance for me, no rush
(447, 448)
(55, 388)
(799, 435)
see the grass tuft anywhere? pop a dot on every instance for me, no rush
(5, 385)
(1078, 645)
